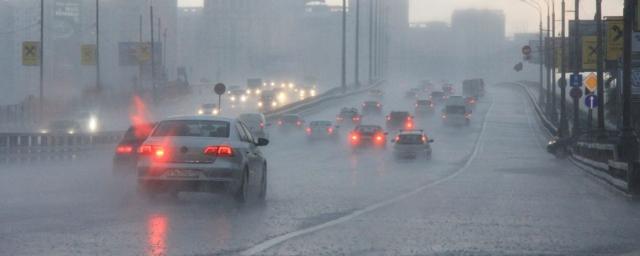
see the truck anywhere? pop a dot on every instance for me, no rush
(254, 85)
(473, 88)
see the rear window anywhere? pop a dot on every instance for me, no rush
(320, 123)
(208, 105)
(370, 103)
(369, 129)
(399, 115)
(435, 94)
(290, 118)
(192, 128)
(456, 110)
(410, 139)
(138, 132)
(423, 102)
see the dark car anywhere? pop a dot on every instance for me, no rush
(371, 107)
(368, 136)
(290, 121)
(349, 114)
(399, 120)
(126, 153)
(62, 127)
(423, 107)
(438, 96)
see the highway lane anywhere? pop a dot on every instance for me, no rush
(514, 199)
(76, 207)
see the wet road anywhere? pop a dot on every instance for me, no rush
(489, 189)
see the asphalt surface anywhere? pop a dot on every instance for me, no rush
(490, 189)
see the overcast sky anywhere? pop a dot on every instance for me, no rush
(520, 16)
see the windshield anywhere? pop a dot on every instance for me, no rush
(192, 128)
(275, 124)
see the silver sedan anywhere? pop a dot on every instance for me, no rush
(202, 154)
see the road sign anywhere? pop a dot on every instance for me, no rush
(88, 54)
(589, 52)
(591, 82)
(591, 101)
(575, 80)
(30, 53)
(615, 42)
(575, 93)
(526, 50)
(220, 88)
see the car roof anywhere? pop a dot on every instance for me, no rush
(321, 122)
(369, 126)
(411, 132)
(198, 118)
(399, 112)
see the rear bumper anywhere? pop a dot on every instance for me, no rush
(159, 186)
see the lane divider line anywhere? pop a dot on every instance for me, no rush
(258, 248)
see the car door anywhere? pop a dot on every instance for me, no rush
(253, 155)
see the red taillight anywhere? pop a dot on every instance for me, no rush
(298, 123)
(354, 137)
(261, 125)
(379, 138)
(388, 118)
(124, 149)
(409, 125)
(330, 130)
(424, 139)
(280, 122)
(356, 118)
(219, 151)
(151, 150)
(308, 130)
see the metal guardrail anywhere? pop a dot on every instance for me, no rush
(598, 156)
(19, 147)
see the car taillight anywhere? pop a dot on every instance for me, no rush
(467, 115)
(379, 138)
(378, 105)
(424, 139)
(388, 118)
(151, 150)
(219, 151)
(409, 125)
(308, 130)
(330, 130)
(444, 116)
(261, 125)
(356, 118)
(124, 149)
(354, 137)
(279, 122)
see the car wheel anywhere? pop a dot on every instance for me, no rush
(243, 191)
(263, 184)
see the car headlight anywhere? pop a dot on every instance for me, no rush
(93, 124)
(215, 111)
(200, 112)
(312, 93)
(273, 104)
(248, 91)
(243, 98)
(260, 104)
(233, 98)
(71, 131)
(44, 131)
(258, 91)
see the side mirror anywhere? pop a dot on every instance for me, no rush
(431, 141)
(262, 142)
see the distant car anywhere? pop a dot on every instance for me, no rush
(126, 155)
(471, 101)
(202, 154)
(411, 95)
(256, 123)
(456, 115)
(208, 109)
(412, 144)
(290, 121)
(399, 120)
(438, 96)
(473, 87)
(376, 93)
(237, 95)
(371, 107)
(58, 127)
(424, 107)
(350, 114)
(368, 136)
(318, 130)
(426, 85)
(448, 89)
(267, 101)
(455, 100)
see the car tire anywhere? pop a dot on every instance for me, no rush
(263, 184)
(242, 193)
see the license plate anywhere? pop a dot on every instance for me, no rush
(180, 173)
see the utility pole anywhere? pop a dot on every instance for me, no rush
(153, 70)
(98, 80)
(549, 55)
(562, 132)
(41, 53)
(357, 60)
(628, 139)
(371, 41)
(139, 81)
(599, 69)
(344, 46)
(576, 66)
(541, 56)
(554, 109)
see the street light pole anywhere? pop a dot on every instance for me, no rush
(344, 46)
(41, 53)
(576, 67)
(628, 139)
(563, 79)
(357, 57)
(371, 41)
(98, 81)
(554, 109)
(599, 69)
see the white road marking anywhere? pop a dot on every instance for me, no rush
(258, 248)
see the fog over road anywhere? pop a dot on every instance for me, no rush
(490, 189)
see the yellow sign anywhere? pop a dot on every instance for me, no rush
(30, 53)
(143, 52)
(589, 52)
(88, 54)
(591, 82)
(615, 40)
